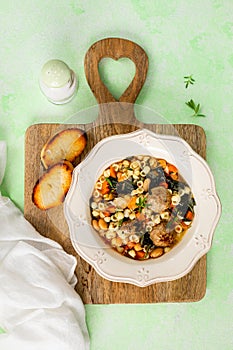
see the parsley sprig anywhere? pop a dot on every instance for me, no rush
(112, 182)
(196, 108)
(189, 80)
(141, 203)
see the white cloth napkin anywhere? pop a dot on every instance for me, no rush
(39, 308)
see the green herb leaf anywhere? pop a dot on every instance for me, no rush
(112, 182)
(196, 108)
(109, 181)
(201, 115)
(189, 80)
(120, 222)
(141, 203)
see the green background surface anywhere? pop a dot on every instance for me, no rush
(180, 37)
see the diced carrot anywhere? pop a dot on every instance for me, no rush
(184, 226)
(112, 172)
(163, 163)
(120, 176)
(106, 213)
(189, 215)
(166, 170)
(130, 245)
(108, 196)
(172, 168)
(164, 184)
(174, 176)
(140, 216)
(140, 254)
(105, 188)
(132, 203)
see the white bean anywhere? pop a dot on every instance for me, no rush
(110, 234)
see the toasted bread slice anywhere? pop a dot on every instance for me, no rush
(51, 188)
(65, 145)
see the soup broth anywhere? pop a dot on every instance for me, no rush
(142, 207)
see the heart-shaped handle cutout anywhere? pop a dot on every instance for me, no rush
(116, 74)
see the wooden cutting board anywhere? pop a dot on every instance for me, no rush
(115, 117)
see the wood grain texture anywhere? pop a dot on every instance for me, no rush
(115, 117)
(115, 48)
(92, 288)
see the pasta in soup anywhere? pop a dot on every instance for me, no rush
(142, 207)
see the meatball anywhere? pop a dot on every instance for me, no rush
(159, 199)
(161, 237)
